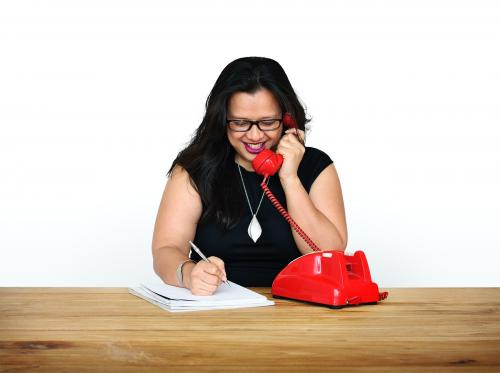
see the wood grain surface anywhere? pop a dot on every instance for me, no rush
(107, 329)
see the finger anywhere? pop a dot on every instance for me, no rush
(204, 284)
(220, 264)
(296, 131)
(211, 279)
(291, 141)
(216, 267)
(208, 267)
(294, 138)
(202, 272)
(208, 288)
(292, 130)
(299, 135)
(213, 270)
(290, 144)
(290, 149)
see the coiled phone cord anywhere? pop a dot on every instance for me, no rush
(287, 217)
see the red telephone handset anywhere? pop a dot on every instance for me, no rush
(267, 163)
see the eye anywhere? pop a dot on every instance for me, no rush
(267, 122)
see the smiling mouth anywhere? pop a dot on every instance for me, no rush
(254, 148)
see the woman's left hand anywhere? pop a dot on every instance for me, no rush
(292, 151)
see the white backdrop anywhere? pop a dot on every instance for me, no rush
(97, 98)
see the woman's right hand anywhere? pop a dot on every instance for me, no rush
(205, 277)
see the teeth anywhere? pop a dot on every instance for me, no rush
(255, 146)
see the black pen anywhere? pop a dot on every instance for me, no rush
(198, 251)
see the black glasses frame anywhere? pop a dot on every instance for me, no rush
(254, 122)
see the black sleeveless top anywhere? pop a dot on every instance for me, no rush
(257, 264)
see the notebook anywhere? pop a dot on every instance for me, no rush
(176, 299)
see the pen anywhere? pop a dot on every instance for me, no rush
(198, 251)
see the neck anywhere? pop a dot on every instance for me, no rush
(243, 163)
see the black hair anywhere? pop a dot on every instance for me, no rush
(208, 156)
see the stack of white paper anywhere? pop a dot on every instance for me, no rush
(175, 299)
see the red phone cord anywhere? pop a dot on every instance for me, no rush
(287, 217)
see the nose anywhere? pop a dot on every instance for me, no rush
(254, 133)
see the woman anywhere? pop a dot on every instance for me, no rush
(213, 196)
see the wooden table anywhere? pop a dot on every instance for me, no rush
(100, 329)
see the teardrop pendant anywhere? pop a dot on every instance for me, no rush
(254, 229)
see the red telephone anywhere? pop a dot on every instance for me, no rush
(331, 277)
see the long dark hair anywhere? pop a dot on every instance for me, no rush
(209, 153)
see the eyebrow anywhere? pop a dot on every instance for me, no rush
(262, 118)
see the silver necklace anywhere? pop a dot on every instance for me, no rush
(254, 228)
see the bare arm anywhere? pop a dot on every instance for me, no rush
(178, 215)
(320, 213)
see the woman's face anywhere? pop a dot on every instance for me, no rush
(253, 106)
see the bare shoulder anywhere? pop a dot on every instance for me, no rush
(326, 195)
(180, 191)
(179, 212)
(180, 182)
(328, 178)
(326, 192)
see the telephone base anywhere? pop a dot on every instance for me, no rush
(308, 302)
(329, 278)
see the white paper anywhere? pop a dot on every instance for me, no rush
(176, 299)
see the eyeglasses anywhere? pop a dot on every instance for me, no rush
(243, 125)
